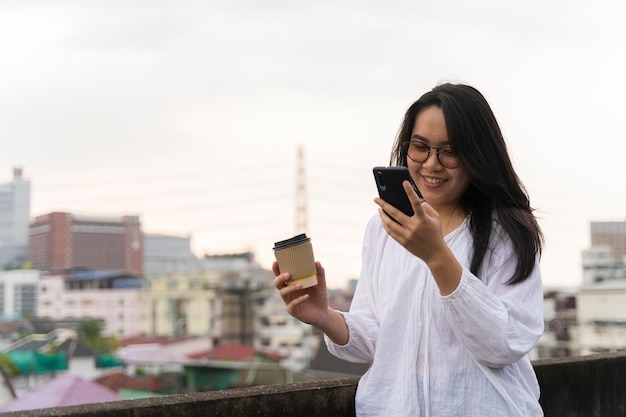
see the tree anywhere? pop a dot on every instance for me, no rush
(90, 332)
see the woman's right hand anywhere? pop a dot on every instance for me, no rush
(308, 305)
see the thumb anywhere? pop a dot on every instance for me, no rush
(321, 275)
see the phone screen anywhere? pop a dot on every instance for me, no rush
(389, 184)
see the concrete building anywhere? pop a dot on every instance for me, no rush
(14, 219)
(182, 303)
(215, 301)
(560, 337)
(600, 324)
(612, 234)
(279, 332)
(167, 253)
(18, 293)
(211, 301)
(60, 241)
(112, 296)
(601, 317)
(601, 264)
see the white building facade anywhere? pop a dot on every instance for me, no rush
(114, 299)
(601, 301)
(279, 332)
(601, 317)
(18, 293)
(601, 264)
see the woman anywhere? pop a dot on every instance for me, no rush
(449, 300)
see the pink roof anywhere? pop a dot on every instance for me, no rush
(62, 391)
(234, 352)
(161, 340)
(150, 353)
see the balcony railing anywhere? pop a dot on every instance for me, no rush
(587, 386)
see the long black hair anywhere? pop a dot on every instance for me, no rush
(496, 192)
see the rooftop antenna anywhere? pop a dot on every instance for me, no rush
(301, 223)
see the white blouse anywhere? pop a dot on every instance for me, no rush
(464, 354)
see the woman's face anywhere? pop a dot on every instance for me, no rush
(441, 187)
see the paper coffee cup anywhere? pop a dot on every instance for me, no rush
(295, 255)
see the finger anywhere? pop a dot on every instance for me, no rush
(294, 305)
(280, 281)
(415, 200)
(321, 275)
(288, 291)
(389, 212)
(429, 210)
(275, 268)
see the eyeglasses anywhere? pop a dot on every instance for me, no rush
(419, 152)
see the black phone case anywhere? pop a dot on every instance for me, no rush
(389, 184)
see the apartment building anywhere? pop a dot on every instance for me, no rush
(214, 300)
(59, 241)
(111, 296)
(600, 315)
(182, 303)
(18, 293)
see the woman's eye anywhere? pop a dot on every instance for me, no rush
(421, 147)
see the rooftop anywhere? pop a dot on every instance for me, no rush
(588, 386)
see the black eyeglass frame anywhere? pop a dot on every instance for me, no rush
(406, 152)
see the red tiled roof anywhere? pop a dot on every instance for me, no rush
(119, 380)
(232, 351)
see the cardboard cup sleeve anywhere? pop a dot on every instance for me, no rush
(295, 256)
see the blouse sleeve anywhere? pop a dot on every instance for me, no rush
(497, 323)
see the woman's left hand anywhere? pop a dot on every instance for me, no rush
(421, 233)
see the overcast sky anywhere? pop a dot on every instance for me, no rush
(190, 113)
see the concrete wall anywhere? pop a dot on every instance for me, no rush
(589, 386)
(585, 386)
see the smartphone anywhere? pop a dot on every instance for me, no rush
(389, 183)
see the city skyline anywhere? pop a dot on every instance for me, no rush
(190, 114)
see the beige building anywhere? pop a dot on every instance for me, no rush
(217, 302)
(181, 303)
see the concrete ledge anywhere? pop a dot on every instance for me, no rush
(587, 386)
(333, 397)
(584, 386)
